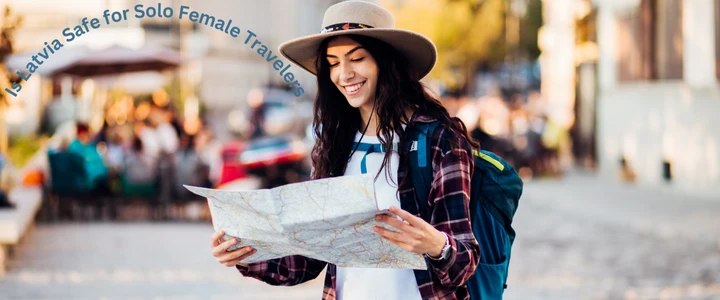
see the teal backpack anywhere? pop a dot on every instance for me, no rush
(494, 195)
(495, 192)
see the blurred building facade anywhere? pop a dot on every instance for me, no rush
(657, 92)
(556, 40)
(220, 71)
(229, 69)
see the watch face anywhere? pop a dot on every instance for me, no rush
(446, 252)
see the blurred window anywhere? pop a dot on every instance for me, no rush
(717, 39)
(650, 41)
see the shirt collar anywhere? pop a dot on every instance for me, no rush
(419, 117)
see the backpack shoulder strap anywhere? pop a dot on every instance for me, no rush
(421, 163)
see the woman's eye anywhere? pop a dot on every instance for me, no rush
(332, 65)
(358, 59)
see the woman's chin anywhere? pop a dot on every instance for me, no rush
(355, 101)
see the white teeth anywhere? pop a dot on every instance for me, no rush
(354, 87)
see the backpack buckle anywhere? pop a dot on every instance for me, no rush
(414, 146)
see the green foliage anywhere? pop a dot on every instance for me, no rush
(23, 148)
(174, 90)
(178, 93)
(531, 24)
(465, 32)
(9, 24)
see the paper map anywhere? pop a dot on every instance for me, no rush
(327, 219)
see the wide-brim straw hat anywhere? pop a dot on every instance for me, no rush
(366, 19)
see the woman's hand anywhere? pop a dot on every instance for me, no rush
(229, 259)
(415, 234)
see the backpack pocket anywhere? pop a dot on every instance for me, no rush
(488, 282)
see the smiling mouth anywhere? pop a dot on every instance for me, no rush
(353, 89)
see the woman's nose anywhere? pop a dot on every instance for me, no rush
(346, 72)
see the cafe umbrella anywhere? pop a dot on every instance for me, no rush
(118, 60)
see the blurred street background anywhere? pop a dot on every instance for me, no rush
(607, 109)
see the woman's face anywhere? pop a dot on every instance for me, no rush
(354, 71)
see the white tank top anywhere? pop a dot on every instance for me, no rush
(370, 283)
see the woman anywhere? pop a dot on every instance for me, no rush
(369, 91)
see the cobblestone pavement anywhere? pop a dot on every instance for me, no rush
(577, 239)
(131, 261)
(584, 239)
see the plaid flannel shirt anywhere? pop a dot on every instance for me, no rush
(449, 201)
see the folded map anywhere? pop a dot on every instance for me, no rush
(327, 219)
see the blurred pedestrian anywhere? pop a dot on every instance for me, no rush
(139, 172)
(148, 135)
(487, 142)
(103, 136)
(360, 57)
(626, 173)
(166, 134)
(115, 151)
(168, 144)
(187, 165)
(209, 150)
(554, 138)
(94, 165)
(6, 182)
(95, 168)
(258, 110)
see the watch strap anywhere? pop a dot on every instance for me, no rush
(444, 250)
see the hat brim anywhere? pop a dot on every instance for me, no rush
(419, 50)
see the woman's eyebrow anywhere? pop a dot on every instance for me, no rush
(346, 54)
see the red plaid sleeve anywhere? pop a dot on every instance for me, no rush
(289, 270)
(450, 194)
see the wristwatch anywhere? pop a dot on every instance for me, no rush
(445, 253)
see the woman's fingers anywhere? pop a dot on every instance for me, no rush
(232, 258)
(222, 248)
(215, 239)
(235, 257)
(413, 220)
(402, 226)
(235, 254)
(392, 235)
(415, 235)
(400, 244)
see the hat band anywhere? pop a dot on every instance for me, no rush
(344, 26)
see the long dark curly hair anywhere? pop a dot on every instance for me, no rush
(399, 89)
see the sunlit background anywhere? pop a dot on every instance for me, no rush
(607, 109)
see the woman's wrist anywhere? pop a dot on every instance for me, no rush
(441, 241)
